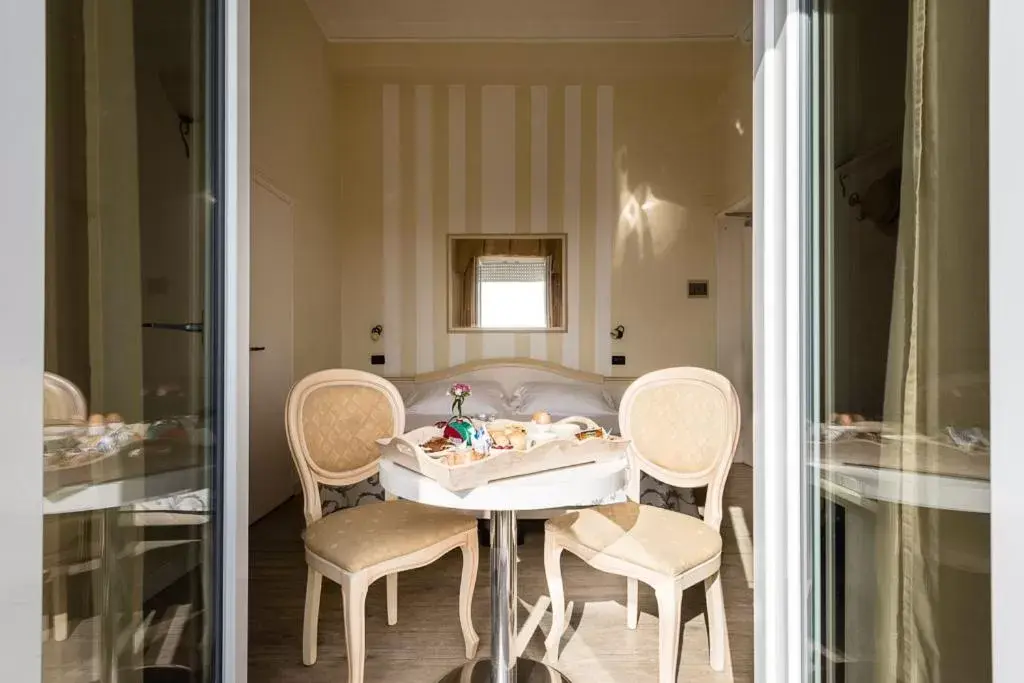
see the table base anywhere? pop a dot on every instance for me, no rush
(527, 671)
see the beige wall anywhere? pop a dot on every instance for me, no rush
(631, 150)
(294, 128)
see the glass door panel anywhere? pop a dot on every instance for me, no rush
(131, 439)
(899, 452)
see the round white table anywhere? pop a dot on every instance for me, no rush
(576, 486)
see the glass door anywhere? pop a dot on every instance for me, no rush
(132, 435)
(898, 402)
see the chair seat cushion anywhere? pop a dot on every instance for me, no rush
(360, 537)
(663, 541)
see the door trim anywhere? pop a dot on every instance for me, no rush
(1006, 328)
(23, 215)
(781, 181)
(235, 506)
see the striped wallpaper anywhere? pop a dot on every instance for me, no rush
(633, 173)
(494, 159)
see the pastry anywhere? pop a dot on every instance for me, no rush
(517, 438)
(436, 445)
(499, 439)
(97, 425)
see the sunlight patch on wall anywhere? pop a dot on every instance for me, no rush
(653, 223)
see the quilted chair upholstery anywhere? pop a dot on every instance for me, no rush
(333, 419)
(341, 425)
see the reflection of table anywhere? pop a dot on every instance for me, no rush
(568, 487)
(105, 486)
(851, 475)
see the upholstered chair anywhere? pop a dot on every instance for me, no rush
(683, 424)
(334, 419)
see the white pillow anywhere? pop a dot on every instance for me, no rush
(433, 399)
(563, 399)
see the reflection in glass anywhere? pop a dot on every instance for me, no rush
(903, 538)
(129, 433)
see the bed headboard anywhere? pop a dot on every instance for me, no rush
(511, 372)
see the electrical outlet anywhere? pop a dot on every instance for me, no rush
(377, 359)
(618, 360)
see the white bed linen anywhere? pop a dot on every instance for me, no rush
(432, 399)
(563, 398)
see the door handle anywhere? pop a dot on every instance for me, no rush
(257, 348)
(176, 327)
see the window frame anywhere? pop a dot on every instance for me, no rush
(784, 177)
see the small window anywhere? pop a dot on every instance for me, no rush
(512, 292)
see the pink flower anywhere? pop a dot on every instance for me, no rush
(459, 390)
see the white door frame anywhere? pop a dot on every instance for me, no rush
(784, 201)
(22, 230)
(781, 33)
(235, 506)
(1006, 329)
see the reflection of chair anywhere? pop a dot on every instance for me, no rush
(67, 547)
(684, 424)
(62, 400)
(333, 419)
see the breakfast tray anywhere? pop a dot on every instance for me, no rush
(500, 464)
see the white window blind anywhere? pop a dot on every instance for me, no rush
(519, 270)
(513, 293)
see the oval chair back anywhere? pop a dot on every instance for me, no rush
(333, 419)
(683, 425)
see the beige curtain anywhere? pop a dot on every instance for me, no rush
(553, 320)
(469, 295)
(933, 579)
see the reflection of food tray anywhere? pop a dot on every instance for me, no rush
(458, 470)
(831, 432)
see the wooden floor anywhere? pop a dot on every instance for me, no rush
(426, 643)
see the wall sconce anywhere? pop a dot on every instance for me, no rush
(618, 332)
(375, 332)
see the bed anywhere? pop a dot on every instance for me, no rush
(513, 389)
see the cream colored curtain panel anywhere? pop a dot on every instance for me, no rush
(469, 295)
(933, 578)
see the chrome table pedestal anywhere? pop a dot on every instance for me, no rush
(503, 666)
(578, 486)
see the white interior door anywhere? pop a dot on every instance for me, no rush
(734, 246)
(272, 476)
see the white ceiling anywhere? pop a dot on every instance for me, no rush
(361, 20)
